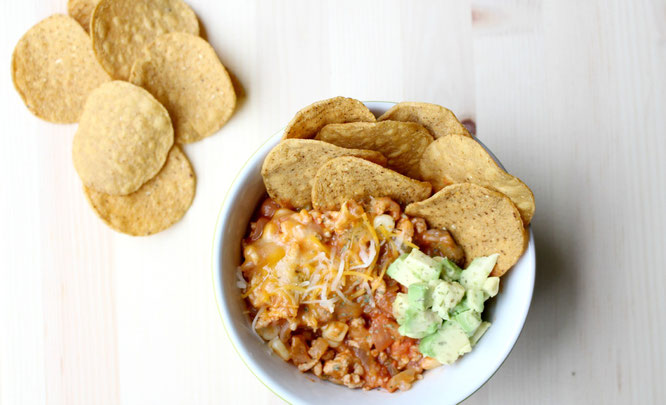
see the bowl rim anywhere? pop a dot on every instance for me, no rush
(215, 259)
(267, 381)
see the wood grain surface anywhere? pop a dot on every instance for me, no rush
(570, 95)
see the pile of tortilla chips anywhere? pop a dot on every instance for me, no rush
(336, 150)
(139, 80)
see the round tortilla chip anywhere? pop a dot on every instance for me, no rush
(120, 29)
(482, 221)
(54, 69)
(402, 143)
(438, 120)
(183, 72)
(290, 168)
(459, 159)
(154, 207)
(81, 11)
(308, 121)
(123, 138)
(351, 178)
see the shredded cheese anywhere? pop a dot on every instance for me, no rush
(369, 292)
(240, 280)
(410, 244)
(338, 276)
(283, 290)
(386, 234)
(342, 296)
(367, 257)
(256, 319)
(374, 236)
(294, 288)
(370, 227)
(357, 274)
(249, 291)
(378, 280)
(324, 249)
(357, 294)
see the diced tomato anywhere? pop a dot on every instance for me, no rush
(346, 311)
(383, 330)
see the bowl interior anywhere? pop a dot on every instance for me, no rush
(447, 384)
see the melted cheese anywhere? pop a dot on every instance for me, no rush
(315, 258)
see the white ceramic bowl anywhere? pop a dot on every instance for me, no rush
(443, 385)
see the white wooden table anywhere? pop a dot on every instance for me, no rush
(571, 95)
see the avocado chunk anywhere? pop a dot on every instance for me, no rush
(400, 305)
(447, 344)
(419, 296)
(491, 286)
(450, 270)
(479, 332)
(399, 273)
(469, 321)
(419, 324)
(445, 296)
(478, 271)
(475, 300)
(461, 307)
(415, 267)
(423, 266)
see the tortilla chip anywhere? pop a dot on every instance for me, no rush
(351, 178)
(308, 121)
(183, 72)
(154, 207)
(81, 11)
(123, 138)
(458, 159)
(54, 69)
(438, 120)
(482, 221)
(290, 168)
(120, 29)
(402, 143)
